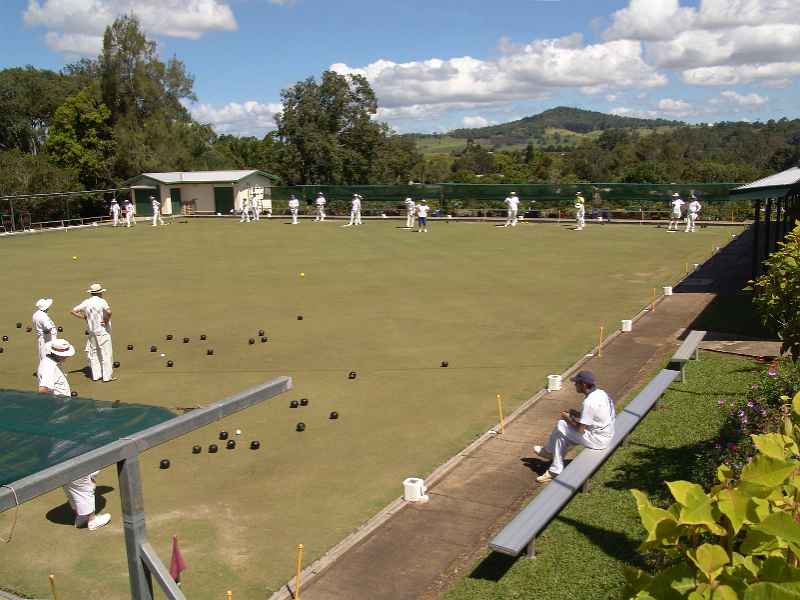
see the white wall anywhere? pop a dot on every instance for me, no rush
(202, 193)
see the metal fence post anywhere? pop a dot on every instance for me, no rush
(133, 524)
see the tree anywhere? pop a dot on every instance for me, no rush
(80, 139)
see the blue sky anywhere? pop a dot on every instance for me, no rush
(442, 64)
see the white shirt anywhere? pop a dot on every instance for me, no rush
(320, 201)
(410, 204)
(512, 202)
(579, 204)
(43, 326)
(676, 206)
(92, 309)
(114, 208)
(694, 206)
(422, 210)
(356, 204)
(245, 204)
(598, 415)
(129, 208)
(156, 206)
(294, 203)
(51, 377)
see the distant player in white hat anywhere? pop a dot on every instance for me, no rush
(294, 207)
(130, 210)
(355, 211)
(512, 204)
(245, 211)
(99, 351)
(157, 220)
(256, 195)
(411, 212)
(115, 211)
(580, 212)
(676, 214)
(691, 215)
(80, 493)
(43, 327)
(320, 204)
(422, 216)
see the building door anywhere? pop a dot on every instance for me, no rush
(144, 206)
(223, 200)
(175, 200)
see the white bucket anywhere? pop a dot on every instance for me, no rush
(414, 490)
(668, 290)
(627, 325)
(696, 266)
(553, 383)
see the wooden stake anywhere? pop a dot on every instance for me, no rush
(600, 344)
(298, 569)
(653, 303)
(500, 412)
(229, 595)
(53, 586)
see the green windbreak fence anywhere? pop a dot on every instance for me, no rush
(38, 431)
(620, 200)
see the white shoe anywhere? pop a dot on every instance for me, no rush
(542, 452)
(546, 477)
(99, 521)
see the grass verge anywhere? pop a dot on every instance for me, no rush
(583, 552)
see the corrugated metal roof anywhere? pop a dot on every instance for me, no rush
(204, 176)
(785, 178)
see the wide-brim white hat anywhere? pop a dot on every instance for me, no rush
(59, 347)
(579, 193)
(96, 288)
(676, 195)
(44, 303)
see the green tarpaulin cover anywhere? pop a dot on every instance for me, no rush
(38, 431)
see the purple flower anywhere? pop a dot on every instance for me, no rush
(717, 445)
(721, 402)
(744, 420)
(741, 413)
(772, 373)
(754, 386)
(750, 404)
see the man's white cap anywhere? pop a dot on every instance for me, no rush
(114, 200)
(44, 303)
(513, 193)
(676, 195)
(96, 288)
(59, 347)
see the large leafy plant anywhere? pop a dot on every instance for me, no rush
(741, 540)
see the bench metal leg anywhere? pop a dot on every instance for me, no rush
(683, 372)
(697, 353)
(530, 549)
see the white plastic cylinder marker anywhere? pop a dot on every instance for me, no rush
(627, 325)
(553, 383)
(668, 290)
(414, 490)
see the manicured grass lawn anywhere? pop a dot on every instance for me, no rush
(583, 552)
(504, 307)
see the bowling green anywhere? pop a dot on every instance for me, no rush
(503, 307)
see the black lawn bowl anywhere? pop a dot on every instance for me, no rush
(170, 363)
(19, 325)
(334, 415)
(164, 464)
(169, 337)
(264, 339)
(303, 401)
(299, 317)
(185, 340)
(116, 364)
(210, 352)
(351, 375)
(231, 444)
(153, 349)
(445, 364)
(196, 449)
(28, 329)
(223, 435)
(251, 341)
(260, 332)
(301, 427)
(60, 329)
(2, 349)
(74, 394)
(212, 448)
(130, 346)
(203, 337)
(255, 445)
(293, 404)
(5, 338)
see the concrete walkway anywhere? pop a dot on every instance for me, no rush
(416, 551)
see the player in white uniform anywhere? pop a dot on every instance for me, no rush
(512, 202)
(294, 207)
(129, 214)
(320, 204)
(157, 220)
(411, 212)
(80, 493)
(355, 211)
(245, 211)
(675, 216)
(43, 327)
(422, 216)
(256, 195)
(691, 215)
(97, 314)
(115, 211)
(580, 212)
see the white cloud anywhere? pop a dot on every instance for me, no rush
(624, 111)
(744, 100)
(525, 72)
(649, 20)
(735, 75)
(475, 121)
(77, 26)
(676, 107)
(246, 118)
(282, 2)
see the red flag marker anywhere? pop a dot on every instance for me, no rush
(176, 563)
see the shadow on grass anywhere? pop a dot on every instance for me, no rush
(64, 515)
(613, 543)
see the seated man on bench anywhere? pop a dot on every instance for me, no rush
(592, 427)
